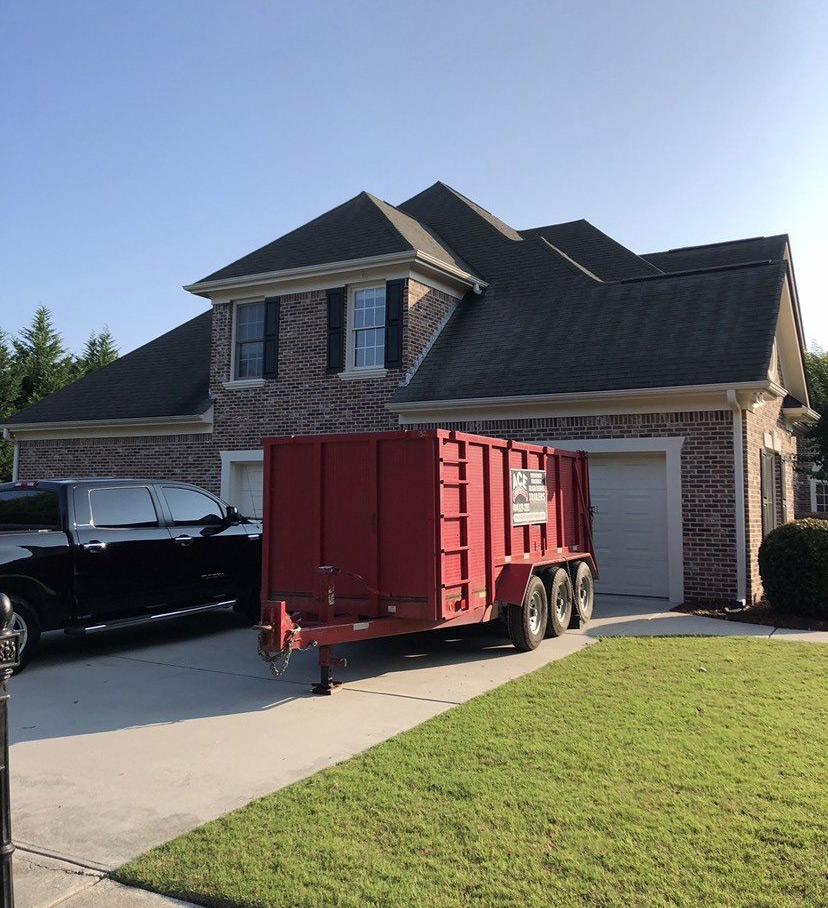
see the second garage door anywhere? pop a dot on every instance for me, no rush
(246, 482)
(629, 493)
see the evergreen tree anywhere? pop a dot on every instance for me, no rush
(816, 367)
(42, 362)
(9, 393)
(98, 351)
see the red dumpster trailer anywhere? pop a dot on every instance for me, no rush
(369, 535)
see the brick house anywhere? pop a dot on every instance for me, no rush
(680, 372)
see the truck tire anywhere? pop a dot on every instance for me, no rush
(583, 587)
(527, 622)
(27, 624)
(560, 603)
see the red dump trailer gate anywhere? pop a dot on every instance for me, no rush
(368, 535)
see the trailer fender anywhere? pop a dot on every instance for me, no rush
(511, 583)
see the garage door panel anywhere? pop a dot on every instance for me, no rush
(247, 488)
(629, 492)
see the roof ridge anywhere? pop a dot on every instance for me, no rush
(747, 239)
(709, 270)
(484, 213)
(378, 203)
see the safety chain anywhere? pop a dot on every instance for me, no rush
(272, 660)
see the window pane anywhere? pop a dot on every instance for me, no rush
(128, 507)
(369, 347)
(188, 506)
(369, 308)
(250, 320)
(29, 509)
(250, 360)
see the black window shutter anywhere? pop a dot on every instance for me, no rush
(271, 337)
(336, 329)
(393, 323)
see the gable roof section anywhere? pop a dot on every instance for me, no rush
(169, 376)
(360, 228)
(603, 256)
(664, 331)
(714, 255)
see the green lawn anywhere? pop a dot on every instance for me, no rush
(651, 772)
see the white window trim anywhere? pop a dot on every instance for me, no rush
(671, 447)
(814, 482)
(351, 372)
(233, 382)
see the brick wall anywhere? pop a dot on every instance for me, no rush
(303, 399)
(708, 484)
(766, 419)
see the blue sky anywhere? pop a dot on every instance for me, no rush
(147, 144)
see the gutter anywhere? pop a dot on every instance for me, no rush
(739, 486)
(767, 385)
(412, 256)
(10, 428)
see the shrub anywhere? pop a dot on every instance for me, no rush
(793, 562)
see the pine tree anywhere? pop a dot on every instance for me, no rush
(98, 351)
(9, 393)
(42, 361)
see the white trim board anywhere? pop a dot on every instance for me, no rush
(671, 447)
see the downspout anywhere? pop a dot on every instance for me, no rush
(739, 485)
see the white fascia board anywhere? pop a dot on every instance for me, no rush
(800, 414)
(209, 289)
(702, 397)
(155, 425)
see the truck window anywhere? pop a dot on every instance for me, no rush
(190, 507)
(29, 509)
(131, 506)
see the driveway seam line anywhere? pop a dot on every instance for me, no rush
(54, 856)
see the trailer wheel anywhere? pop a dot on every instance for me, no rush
(527, 622)
(583, 594)
(560, 603)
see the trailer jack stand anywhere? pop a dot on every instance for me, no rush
(327, 686)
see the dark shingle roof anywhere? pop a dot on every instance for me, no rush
(169, 376)
(602, 255)
(664, 331)
(361, 227)
(714, 255)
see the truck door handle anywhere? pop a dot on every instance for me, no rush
(94, 546)
(183, 539)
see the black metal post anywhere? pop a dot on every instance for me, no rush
(9, 657)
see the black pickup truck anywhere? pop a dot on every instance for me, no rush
(84, 555)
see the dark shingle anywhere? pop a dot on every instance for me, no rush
(602, 255)
(169, 376)
(361, 227)
(666, 331)
(714, 255)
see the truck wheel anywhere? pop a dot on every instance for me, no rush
(527, 622)
(27, 624)
(583, 594)
(560, 603)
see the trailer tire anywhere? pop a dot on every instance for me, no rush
(27, 624)
(560, 603)
(583, 587)
(527, 622)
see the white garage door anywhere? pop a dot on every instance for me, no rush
(246, 485)
(629, 493)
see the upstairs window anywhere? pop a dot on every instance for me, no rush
(369, 328)
(250, 337)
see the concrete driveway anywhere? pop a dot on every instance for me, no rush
(123, 741)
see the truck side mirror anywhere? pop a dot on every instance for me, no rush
(233, 515)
